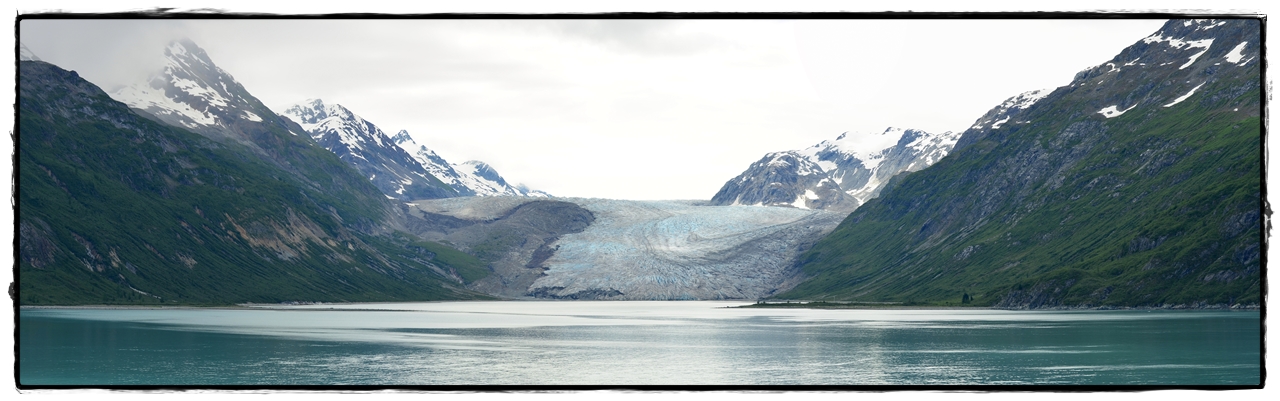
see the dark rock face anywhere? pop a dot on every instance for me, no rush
(35, 245)
(1136, 185)
(784, 179)
(835, 175)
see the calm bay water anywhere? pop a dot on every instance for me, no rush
(626, 343)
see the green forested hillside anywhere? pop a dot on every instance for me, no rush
(117, 208)
(1159, 205)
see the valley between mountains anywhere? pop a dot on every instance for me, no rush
(1136, 185)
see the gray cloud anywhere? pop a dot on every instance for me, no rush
(650, 37)
(109, 53)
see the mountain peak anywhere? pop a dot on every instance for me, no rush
(401, 138)
(26, 54)
(366, 147)
(191, 91)
(483, 170)
(312, 112)
(838, 174)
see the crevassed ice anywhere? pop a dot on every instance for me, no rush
(1184, 97)
(674, 250)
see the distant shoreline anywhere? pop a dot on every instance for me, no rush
(769, 305)
(823, 305)
(139, 307)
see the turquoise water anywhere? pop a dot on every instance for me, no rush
(628, 343)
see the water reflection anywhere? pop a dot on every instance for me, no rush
(632, 343)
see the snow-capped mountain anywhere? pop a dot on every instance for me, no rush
(190, 91)
(469, 178)
(835, 175)
(1007, 113)
(363, 145)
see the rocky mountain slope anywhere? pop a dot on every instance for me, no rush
(471, 178)
(837, 175)
(116, 207)
(1136, 185)
(191, 92)
(364, 146)
(513, 235)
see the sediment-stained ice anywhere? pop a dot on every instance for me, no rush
(659, 250)
(664, 250)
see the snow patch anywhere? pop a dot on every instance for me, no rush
(1027, 99)
(862, 145)
(195, 89)
(799, 203)
(1178, 43)
(155, 101)
(255, 118)
(1184, 97)
(1113, 111)
(1207, 43)
(1236, 53)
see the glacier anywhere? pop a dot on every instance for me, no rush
(665, 250)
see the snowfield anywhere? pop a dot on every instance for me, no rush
(666, 250)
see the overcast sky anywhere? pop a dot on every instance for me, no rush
(626, 109)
